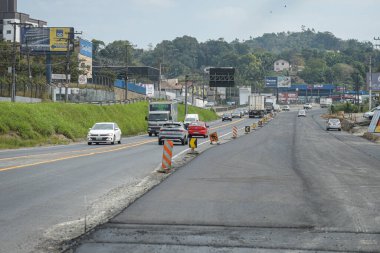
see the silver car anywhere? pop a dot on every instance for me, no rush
(333, 124)
(174, 131)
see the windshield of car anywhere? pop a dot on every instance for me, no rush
(334, 121)
(226, 115)
(158, 117)
(102, 127)
(190, 119)
(171, 125)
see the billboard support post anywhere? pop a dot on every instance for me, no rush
(67, 69)
(13, 96)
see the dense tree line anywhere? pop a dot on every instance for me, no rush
(315, 57)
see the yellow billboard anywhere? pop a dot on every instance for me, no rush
(59, 37)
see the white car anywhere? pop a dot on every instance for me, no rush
(286, 108)
(104, 132)
(369, 114)
(301, 113)
(307, 106)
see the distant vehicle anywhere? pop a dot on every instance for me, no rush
(369, 114)
(307, 106)
(189, 118)
(246, 111)
(236, 114)
(104, 132)
(286, 108)
(256, 106)
(241, 110)
(301, 113)
(198, 129)
(231, 103)
(271, 104)
(325, 102)
(227, 116)
(174, 131)
(333, 124)
(159, 114)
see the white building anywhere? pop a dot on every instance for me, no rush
(281, 65)
(9, 15)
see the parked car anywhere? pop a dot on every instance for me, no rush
(307, 106)
(104, 132)
(236, 114)
(369, 114)
(174, 131)
(227, 116)
(301, 113)
(198, 129)
(286, 108)
(333, 124)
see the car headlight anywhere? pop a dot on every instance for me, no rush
(110, 134)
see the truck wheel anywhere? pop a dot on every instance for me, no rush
(150, 134)
(159, 142)
(89, 143)
(155, 134)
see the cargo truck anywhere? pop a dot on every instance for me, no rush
(325, 102)
(256, 106)
(159, 114)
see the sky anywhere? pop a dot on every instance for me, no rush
(151, 21)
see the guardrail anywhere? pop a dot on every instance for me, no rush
(114, 102)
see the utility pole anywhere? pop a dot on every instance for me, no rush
(29, 69)
(13, 92)
(370, 82)
(186, 80)
(13, 95)
(126, 72)
(68, 63)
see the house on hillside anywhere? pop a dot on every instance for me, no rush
(281, 65)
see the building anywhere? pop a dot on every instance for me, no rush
(281, 65)
(9, 15)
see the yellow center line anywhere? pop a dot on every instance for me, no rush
(75, 156)
(55, 153)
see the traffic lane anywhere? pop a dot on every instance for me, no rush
(370, 148)
(35, 199)
(52, 194)
(246, 182)
(346, 191)
(289, 175)
(47, 156)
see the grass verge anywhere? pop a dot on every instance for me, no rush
(29, 125)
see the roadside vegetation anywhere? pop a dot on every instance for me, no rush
(349, 108)
(27, 125)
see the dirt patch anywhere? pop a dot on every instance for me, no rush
(372, 137)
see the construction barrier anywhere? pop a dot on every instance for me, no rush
(167, 155)
(234, 132)
(254, 126)
(260, 123)
(247, 129)
(214, 138)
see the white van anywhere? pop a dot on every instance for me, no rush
(189, 118)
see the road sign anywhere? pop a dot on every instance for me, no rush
(247, 129)
(254, 126)
(214, 137)
(193, 143)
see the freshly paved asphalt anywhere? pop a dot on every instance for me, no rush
(44, 187)
(289, 187)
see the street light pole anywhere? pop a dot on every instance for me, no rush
(186, 80)
(13, 95)
(370, 82)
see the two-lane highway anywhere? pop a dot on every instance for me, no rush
(44, 188)
(290, 187)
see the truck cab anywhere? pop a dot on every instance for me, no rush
(159, 114)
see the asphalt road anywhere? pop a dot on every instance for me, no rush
(47, 191)
(289, 187)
